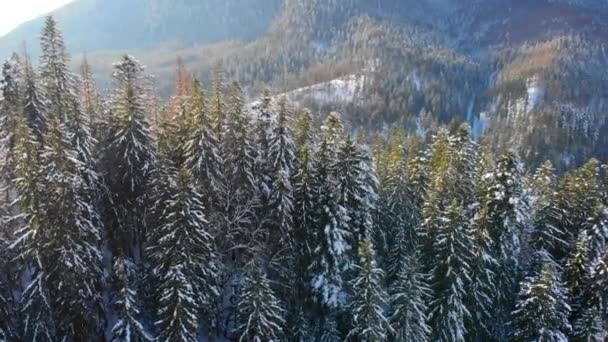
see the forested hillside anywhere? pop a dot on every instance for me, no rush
(529, 74)
(125, 217)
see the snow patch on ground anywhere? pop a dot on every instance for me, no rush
(415, 80)
(536, 94)
(341, 90)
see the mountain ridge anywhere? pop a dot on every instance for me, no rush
(425, 63)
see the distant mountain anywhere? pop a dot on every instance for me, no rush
(92, 25)
(528, 74)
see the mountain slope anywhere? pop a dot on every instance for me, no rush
(529, 74)
(92, 25)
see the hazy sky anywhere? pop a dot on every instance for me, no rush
(15, 12)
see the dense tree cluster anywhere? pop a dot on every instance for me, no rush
(250, 221)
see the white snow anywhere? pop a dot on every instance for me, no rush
(340, 90)
(536, 93)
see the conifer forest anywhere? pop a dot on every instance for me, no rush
(212, 216)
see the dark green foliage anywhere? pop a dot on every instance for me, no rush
(542, 309)
(226, 219)
(127, 159)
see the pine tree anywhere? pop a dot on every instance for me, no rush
(7, 321)
(264, 162)
(58, 82)
(579, 195)
(303, 208)
(352, 191)
(576, 272)
(239, 160)
(282, 155)
(410, 293)
(34, 106)
(36, 312)
(369, 298)
(328, 329)
(590, 325)
(331, 239)
(465, 167)
(128, 326)
(542, 309)
(483, 290)
(203, 150)
(35, 305)
(364, 219)
(547, 237)
(440, 173)
(90, 101)
(451, 276)
(544, 182)
(399, 217)
(11, 84)
(507, 205)
(218, 108)
(128, 159)
(74, 269)
(183, 253)
(596, 227)
(260, 310)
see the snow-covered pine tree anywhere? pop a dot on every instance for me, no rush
(183, 253)
(35, 312)
(547, 238)
(218, 107)
(591, 322)
(282, 158)
(261, 313)
(542, 308)
(543, 184)
(410, 293)
(173, 133)
(596, 227)
(58, 82)
(34, 106)
(369, 192)
(451, 275)
(74, 269)
(439, 169)
(482, 291)
(508, 208)
(89, 98)
(263, 134)
(328, 329)
(238, 154)
(398, 217)
(281, 243)
(369, 299)
(7, 321)
(11, 84)
(128, 326)
(298, 327)
(264, 163)
(579, 197)
(203, 150)
(399, 214)
(303, 215)
(353, 192)
(128, 159)
(330, 238)
(464, 164)
(576, 272)
(303, 187)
